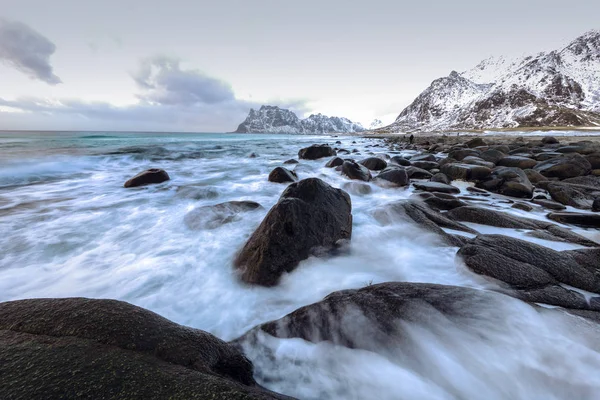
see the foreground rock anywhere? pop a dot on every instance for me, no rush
(282, 175)
(356, 171)
(84, 348)
(535, 271)
(148, 177)
(315, 152)
(564, 167)
(310, 216)
(570, 194)
(580, 219)
(374, 317)
(212, 217)
(436, 187)
(393, 176)
(509, 181)
(374, 163)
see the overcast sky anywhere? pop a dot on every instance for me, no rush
(199, 65)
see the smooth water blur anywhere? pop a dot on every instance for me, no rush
(69, 228)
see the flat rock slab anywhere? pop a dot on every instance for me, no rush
(436, 187)
(579, 219)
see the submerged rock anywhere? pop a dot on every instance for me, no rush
(310, 215)
(282, 175)
(212, 217)
(85, 348)
(148, 177)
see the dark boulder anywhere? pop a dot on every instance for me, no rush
(508, 181)
(436, 187)
(522, 206)
(465, 172)
(85, 348)
(426, 165)
(315, 152)
(309, 216)
(594, 160)
(334, 162)
(578, 196)
(418, 173)
(357, 188)
(440, 201)
(282, 175)
(422, 157)
(564, 167)
(552, 205)
(400, 161)
(492, 155)
(478, 161)
(534, 176)
(393, 177)
(374, 163)
(476, 142)
(441, 178)
(517, 161)
(356, 171)
(291, 161)
(547, 155)
(460, 154)
(148, 177)
(212, 217)
(596, 205)
(573, 218)
(549, 140)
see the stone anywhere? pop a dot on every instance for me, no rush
(315, 152)
(334, 162)
(549, 140)
(579, 219)
(291, 161)
(441, 178)
(552, 205)
(356, 171)
(418, 173)
(212, 217)
(465, 172)
(564, 167)
(476, 142)
(148, 177)
(517, 161)
(374, 163)
(509, 181)
(282, 175)
(400, 161)
(393, 177)
(522, 206)
(436, 187)
(493, 155)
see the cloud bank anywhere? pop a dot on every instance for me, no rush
(27, 51)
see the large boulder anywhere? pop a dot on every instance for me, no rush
(400, 161)
(549, 140)
(578, 196)
(374, 163)
(460, 154)
(356, 171)
(441, 178)
(564, 167)
(334, 162)
(476, 142)
(436, 187)
(393, 177)
(282, 175)
(465, 172)
(418, 173)
(84, 348)
(315, 152)
(517, 161)
(509, 181)
(309, 216)
(212, 217)
(580, 219)
(148, 177)
(492, 155)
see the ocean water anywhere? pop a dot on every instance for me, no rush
(69, 228)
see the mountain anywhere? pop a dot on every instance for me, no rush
(376, 124)
(272, 119)
(558, 88)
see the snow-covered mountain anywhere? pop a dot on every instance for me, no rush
(376, 123)
(272, 119)
(558, 88)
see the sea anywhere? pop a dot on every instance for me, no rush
(69, 228)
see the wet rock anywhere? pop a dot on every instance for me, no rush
(315, 152)
(478, 161)
(465, 172)
(374, 163)
(375, 317)
(522, 206)
(517, 161)
(476, 142)
(309, 216)
(508, 181)
(400, 161)
(578, 196)
(426, 165)
(282, 175)
(594, 160)
(334, 162)
(418, 173)
(252, 155)
(440, 201)
(291, 161)
(357, 188)
(422, 215)
(596, 205)
(590, 180)
(544, 156)
(212, 217)
(552, 205)
(436, 187)
(422, 157)
(148, 177)
(493, 155)
(460, 154)
(573, 218)
(356, 171)
(564, 167)
(393, 177)
(441, 178)
(549, 140)
(197, 192)
(534, 176)
(87, 348)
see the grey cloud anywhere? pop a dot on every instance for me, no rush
(164, 82)
(27, 51)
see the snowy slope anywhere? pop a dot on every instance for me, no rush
(558, 88)
(272, 119)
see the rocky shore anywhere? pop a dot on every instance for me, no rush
(84, 348)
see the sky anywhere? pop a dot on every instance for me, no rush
(199, 65)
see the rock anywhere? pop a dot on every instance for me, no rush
(590, 180)
(374, 163)
(493, 155)
(579, 196)
(212, 217)
(573, 218)
(594, 160)
(426, 165)
(552, 205)
(547, 155)
(418, 173)
(478, 161)
(422, 157)
(460, 154)
(291, 161)
(377, 317)
(148, 177)
(357, 188)
(534, 176)
(315, 152)
(441, 178)
(564, 167)
(252, 155)
(476, 142)
(517, 161)
(522, 206)
(86, 348)
(549, 140)
(334, 162)
(596, 205)
(465, 172)
(508, 181)
(440, 201)
(356, 171)
(424, 217)
(400, 161)
(578, 148)
(478, 191)
(526, 265)
(282, 175)
(310, 215)
(197, 192)
(436, 187)
(393, 177)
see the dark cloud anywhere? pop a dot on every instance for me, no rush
(164, 82)
(27, 50)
